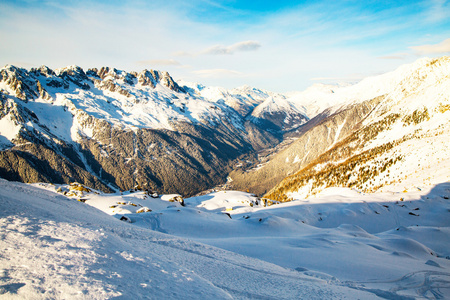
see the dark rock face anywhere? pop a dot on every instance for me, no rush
(151, 78)
(109, 85)
(38, 163)
(168, 81)
(75, 75)
(43, 71)
(17, 79)
(146, 78)
(185, 161)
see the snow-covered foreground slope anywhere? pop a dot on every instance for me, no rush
(393, 245)
(53, 247)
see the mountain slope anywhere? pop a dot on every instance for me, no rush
(314, 138)
(277, 115)
(407, 131)
(360, 112)
(110, 129)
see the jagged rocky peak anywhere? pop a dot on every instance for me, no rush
(130, 78)
(147, 77)
(106, 78)
(168, 81)
(153, 77)
(107, 71)
(20, 82)
(104, 72)
(113, 73)
(28, 85)
(9, 71)
(74, 71)
(74, 74)
(43, 71)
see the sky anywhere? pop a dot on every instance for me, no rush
(278, 46)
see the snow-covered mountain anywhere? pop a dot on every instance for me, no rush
(319, 97)
(406, 132)
(243, 99)
(149, 99)
(278, 114)
(356, 198)
(367, 139)
(111, 129)
(314, 99)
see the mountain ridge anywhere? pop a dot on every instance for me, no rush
(124, 129)
(112, 129)
(381, 151)
(404, 91)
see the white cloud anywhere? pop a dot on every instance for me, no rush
(439, 10)
(440, 48)
(217, 73)
(398, 56)
(159, 62)
(238, 47)
(243, 46)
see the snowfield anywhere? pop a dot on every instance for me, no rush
(338, 245)
(56, 247)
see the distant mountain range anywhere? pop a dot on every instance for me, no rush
(110, 130)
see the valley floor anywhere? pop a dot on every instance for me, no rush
(340, 244)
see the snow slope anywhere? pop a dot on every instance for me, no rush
(401, 141)
(394, 245)
(320, 97)
(57, 248)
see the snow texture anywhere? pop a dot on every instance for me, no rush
(59, 248)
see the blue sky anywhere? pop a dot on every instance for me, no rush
(275, 45)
